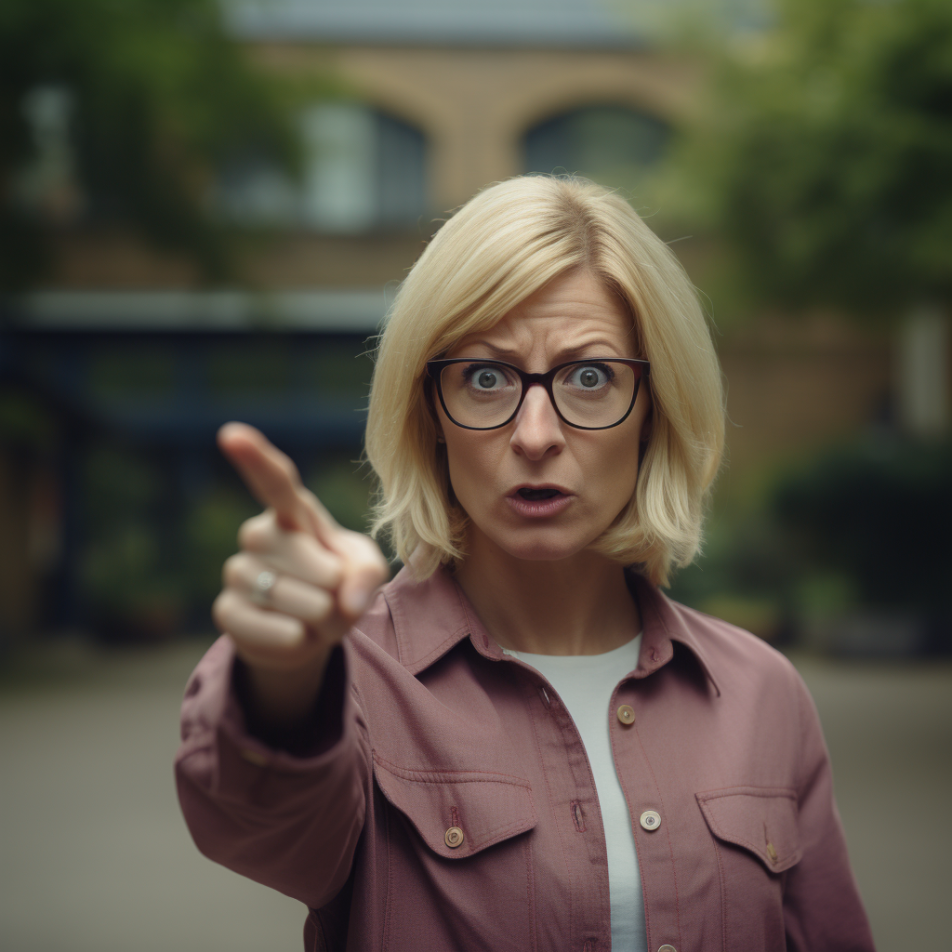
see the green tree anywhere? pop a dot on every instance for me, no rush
(828, 150)
(825, 152)
(152, 96)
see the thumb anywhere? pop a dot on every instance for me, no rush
(365, 570)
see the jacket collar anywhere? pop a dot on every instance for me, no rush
(432, 616)
(664, 622)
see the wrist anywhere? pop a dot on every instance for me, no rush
(279, 699)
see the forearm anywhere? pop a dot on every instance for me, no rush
(290, 820)
(276, 702)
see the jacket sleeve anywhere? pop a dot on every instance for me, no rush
(822, 906)
(288, 822)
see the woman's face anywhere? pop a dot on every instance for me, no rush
(594, 471)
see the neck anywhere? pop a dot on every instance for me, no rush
(575, 606)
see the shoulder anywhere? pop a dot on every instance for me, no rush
(738, 661)
(730, 643)
(758, 686)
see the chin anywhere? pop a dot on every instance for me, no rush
(541, 549)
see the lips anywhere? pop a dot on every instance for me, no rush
(539, 502)
(545, 491)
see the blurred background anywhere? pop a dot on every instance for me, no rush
(205, 209)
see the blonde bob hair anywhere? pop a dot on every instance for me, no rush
(507, 242)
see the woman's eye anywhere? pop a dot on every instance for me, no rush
(590, 377)
(485, 378)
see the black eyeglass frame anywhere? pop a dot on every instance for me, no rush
(435, 369)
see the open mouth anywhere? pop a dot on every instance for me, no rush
(534, 494)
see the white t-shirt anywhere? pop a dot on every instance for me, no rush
(585, 684)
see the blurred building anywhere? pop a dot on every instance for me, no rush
(128, 368)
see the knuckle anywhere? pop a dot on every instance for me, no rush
(317, 561)
(232, 571)
(254, 534)
(373, 558)
(356, 544)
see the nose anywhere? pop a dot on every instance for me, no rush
(538, 430)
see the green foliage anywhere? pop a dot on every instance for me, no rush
(24, 423)
(133, 584)
(877, 514)
(156, 95)
(744, 573)
(863, 526)
(826, 154)
(152, 556)
(343, 488)
(211, 536)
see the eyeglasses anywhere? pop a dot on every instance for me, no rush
(593, 394)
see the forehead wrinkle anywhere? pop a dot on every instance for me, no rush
(602, 347)
(561, 341)
(565, 317)
(539, 328)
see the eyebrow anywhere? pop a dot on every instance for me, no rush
(566, 353)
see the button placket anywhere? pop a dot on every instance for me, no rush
(632, 757)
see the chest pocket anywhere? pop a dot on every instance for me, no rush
(761, 820)
(757, 839)
(485, 808)
(457, 861)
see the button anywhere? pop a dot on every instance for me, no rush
(651, 821)
(667, 948)
(453, 837)
(254, 757)
(771, 852)
(626, 714)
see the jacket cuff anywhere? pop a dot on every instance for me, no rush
(246, 764)
(318, 731)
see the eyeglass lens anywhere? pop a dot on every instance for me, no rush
(485, 394)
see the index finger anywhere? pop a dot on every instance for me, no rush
(270, 475)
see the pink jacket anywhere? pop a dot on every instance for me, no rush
(448, 803)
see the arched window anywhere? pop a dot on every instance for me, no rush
(609, 143)
(362, 171)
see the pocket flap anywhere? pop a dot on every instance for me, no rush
(487, 807)
(763, 820)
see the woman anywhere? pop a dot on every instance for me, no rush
(518, 743)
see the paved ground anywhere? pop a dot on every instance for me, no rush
(95, 857)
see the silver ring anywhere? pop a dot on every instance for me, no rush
(261, 590)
